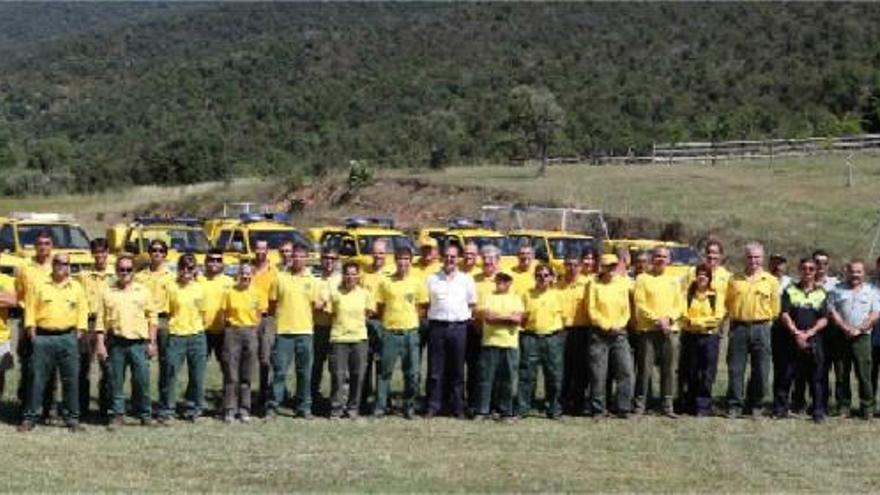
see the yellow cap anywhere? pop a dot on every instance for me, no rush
(608, 259)
(428, 242)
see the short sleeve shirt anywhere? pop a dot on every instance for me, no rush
(854, 306)
(451, 297)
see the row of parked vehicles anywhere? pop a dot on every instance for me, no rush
(236, 236)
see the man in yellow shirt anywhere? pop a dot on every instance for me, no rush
(8, 299)
(400, 301)
(573, 288)
(427, 265)
(523, 273)
(608, 305)
(371, 278)
(470, 256)
(753, 302)
(186, 341)
(242, 309)
(328, 279)
(95, 282)
(659, 305)
(350, 304)
(293, 298)
(125, 330)
(35, 271)
(501, 313)
(56, 312)
(215, 284)
(158, 279)
(541, 343)
(264, 277)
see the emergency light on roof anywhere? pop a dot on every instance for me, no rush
(385, 222)
(470, 223)
(42, 217)
(148, 220)
(261, 217)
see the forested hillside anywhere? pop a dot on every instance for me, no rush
(171, 93)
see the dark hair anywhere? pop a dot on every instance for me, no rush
(298, 246)
(545, 266)
(820, 252)
(806, 260)
(503, 277)
(589, 251)
(452, 244)
(160, 243)
(403, 251)
(692, 288)
(44, 234)
(186, 259)
(98, 243)
(327, 250)
(215, 252)
(350, 264)
(714, 242)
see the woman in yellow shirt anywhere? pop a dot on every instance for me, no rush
(351, 305)
(699, 342)
(242, 308)
(541, 344)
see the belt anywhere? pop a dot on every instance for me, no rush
(51, 331)
(163, 314)
(442, 323)
(123, 340)
(742, 322)
(540, 335)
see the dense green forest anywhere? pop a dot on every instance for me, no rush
(98, 94)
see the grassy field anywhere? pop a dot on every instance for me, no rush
(792, 205)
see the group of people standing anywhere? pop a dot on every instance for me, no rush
(597, 331)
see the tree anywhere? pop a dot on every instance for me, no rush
(536, 118)
(443, 133)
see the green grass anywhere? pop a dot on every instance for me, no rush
(792, 205)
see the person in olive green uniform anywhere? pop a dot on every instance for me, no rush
(501, 313)
(327, 279)
(158, 278)
(186, 341)
(126, 330)
(350, 304)
(56, 313)
(400, 299)
(572, 285)
(541, 344)
(95, 282)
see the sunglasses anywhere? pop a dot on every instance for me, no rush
(808, 268)
(158, 250)
(44, 243)
(215, 260)
(188, 269)
(60, 263)
(124, 270)
(329, 258)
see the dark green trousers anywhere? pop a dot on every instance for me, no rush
(610, 351)
(545, 352)
(131, 354)
(53, 352)
(295, 349)
(497, 369)
(402, 345)
(860, 352)
(194, 350)
(655, 347)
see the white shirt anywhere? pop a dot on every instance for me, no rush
(451, 296)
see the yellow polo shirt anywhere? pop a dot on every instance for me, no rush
(400, 300)
(544, 310)
(608, 304)
(186, 309)
(371, 280)
(158, 282)
(657, 296)
(262, 281)
(243, 307)
(486, 285)
(295, 296)
(701, 316)
(7, 284)
(425, 271)
(523, 280)
(502, 335)
(95, 283)
(126, 313)
(29, 275)
(720, 279)
(215, 293)
(755, 299)
(58, 306)
(326, 286)
(573, 295)
(349, 311)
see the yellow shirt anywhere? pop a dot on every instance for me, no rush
(126, 313)
(95, 283)
(158, 282)
(720, 279)
(7, 284)
(57, 306)
(400, 300)
(658, 296)
(498, 334)
(701, 317)
(349, 311)
(371, 280)
(215, 293)
(523, 280)
(29, 275)
(263, 280)
(544, 310)
(425, 271)
(326, 286)
(243, 307)
(608, 304)
(753, 300)
(186, 308)
(574, 293)
(295, 296)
